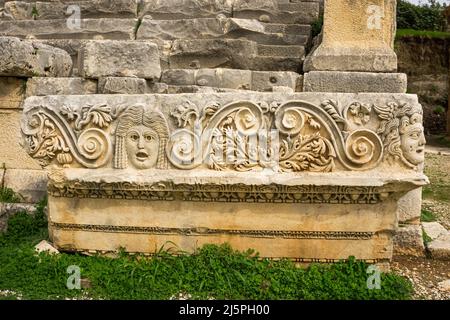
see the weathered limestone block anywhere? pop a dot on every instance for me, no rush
(300, 29)
(99, 29)
(198, 89)
(210, 28)
(271, 11)
(357, 36)
(185, 9)
(122, 85)
(281, 51)
(266, 80)
(12, 154)
(434, 230)
(410, 207)
(71, 46)
(440, 248)
(48, 10)
(212, 53)
(24, 58)
(110, 58)
(306, 176)
(336, 81)
(221, 78)
(60, 86)
(31, 185)
(12, 92)
(277, 63)
(408, 241)
(157, 87)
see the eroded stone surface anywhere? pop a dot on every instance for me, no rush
(12, 92)
(335, 81)
(122, 85)
(113, 29)
(60, 86)
(48, 10)
(21, 58)
(108, 58)
(12, 154)
(408, 240)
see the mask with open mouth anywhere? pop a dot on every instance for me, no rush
(142, 145)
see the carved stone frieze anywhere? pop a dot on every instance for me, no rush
(242, 135)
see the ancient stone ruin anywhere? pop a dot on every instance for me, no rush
(188, 122)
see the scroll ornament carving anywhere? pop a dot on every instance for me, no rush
(295, 136)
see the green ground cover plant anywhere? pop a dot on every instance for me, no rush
(217, 272)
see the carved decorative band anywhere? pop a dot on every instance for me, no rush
(286, 234)
(167, 191)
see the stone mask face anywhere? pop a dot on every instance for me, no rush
(142, 145)
(413, 143)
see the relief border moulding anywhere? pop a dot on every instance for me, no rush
(312, 137)
(285, 234)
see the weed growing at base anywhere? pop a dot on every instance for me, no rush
(216, 272)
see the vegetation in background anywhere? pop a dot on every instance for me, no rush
(428, 17)
(418, 33)
(216, 272)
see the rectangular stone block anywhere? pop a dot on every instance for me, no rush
(125, 85)
(109, 58)
(336, 81)
(137, 171)
(12, 154)
(12, 92)
(31, 185)
(24, 58)
(48, 10)
(99, 29)
(408, 240)
(269, 11)
(281, 51)
(60, 86)
(215, 28)
(185, 9)
(266, 80)
(410, 207)
(220, 78)
(215, 53)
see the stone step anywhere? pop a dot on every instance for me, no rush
(281, 51)
(209, 28)
(292, 13)
(112, 29)
(232, 79)
(183, 9)
(48, 10)
(299, 29)
(226, 53)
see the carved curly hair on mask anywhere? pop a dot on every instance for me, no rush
(135, 116)
(395, 119)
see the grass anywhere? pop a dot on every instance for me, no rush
(420, 33)
(427, 216)
(426, 238)
(7, 195)
(216, 272)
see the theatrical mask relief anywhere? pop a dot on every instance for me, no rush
(293, 136)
